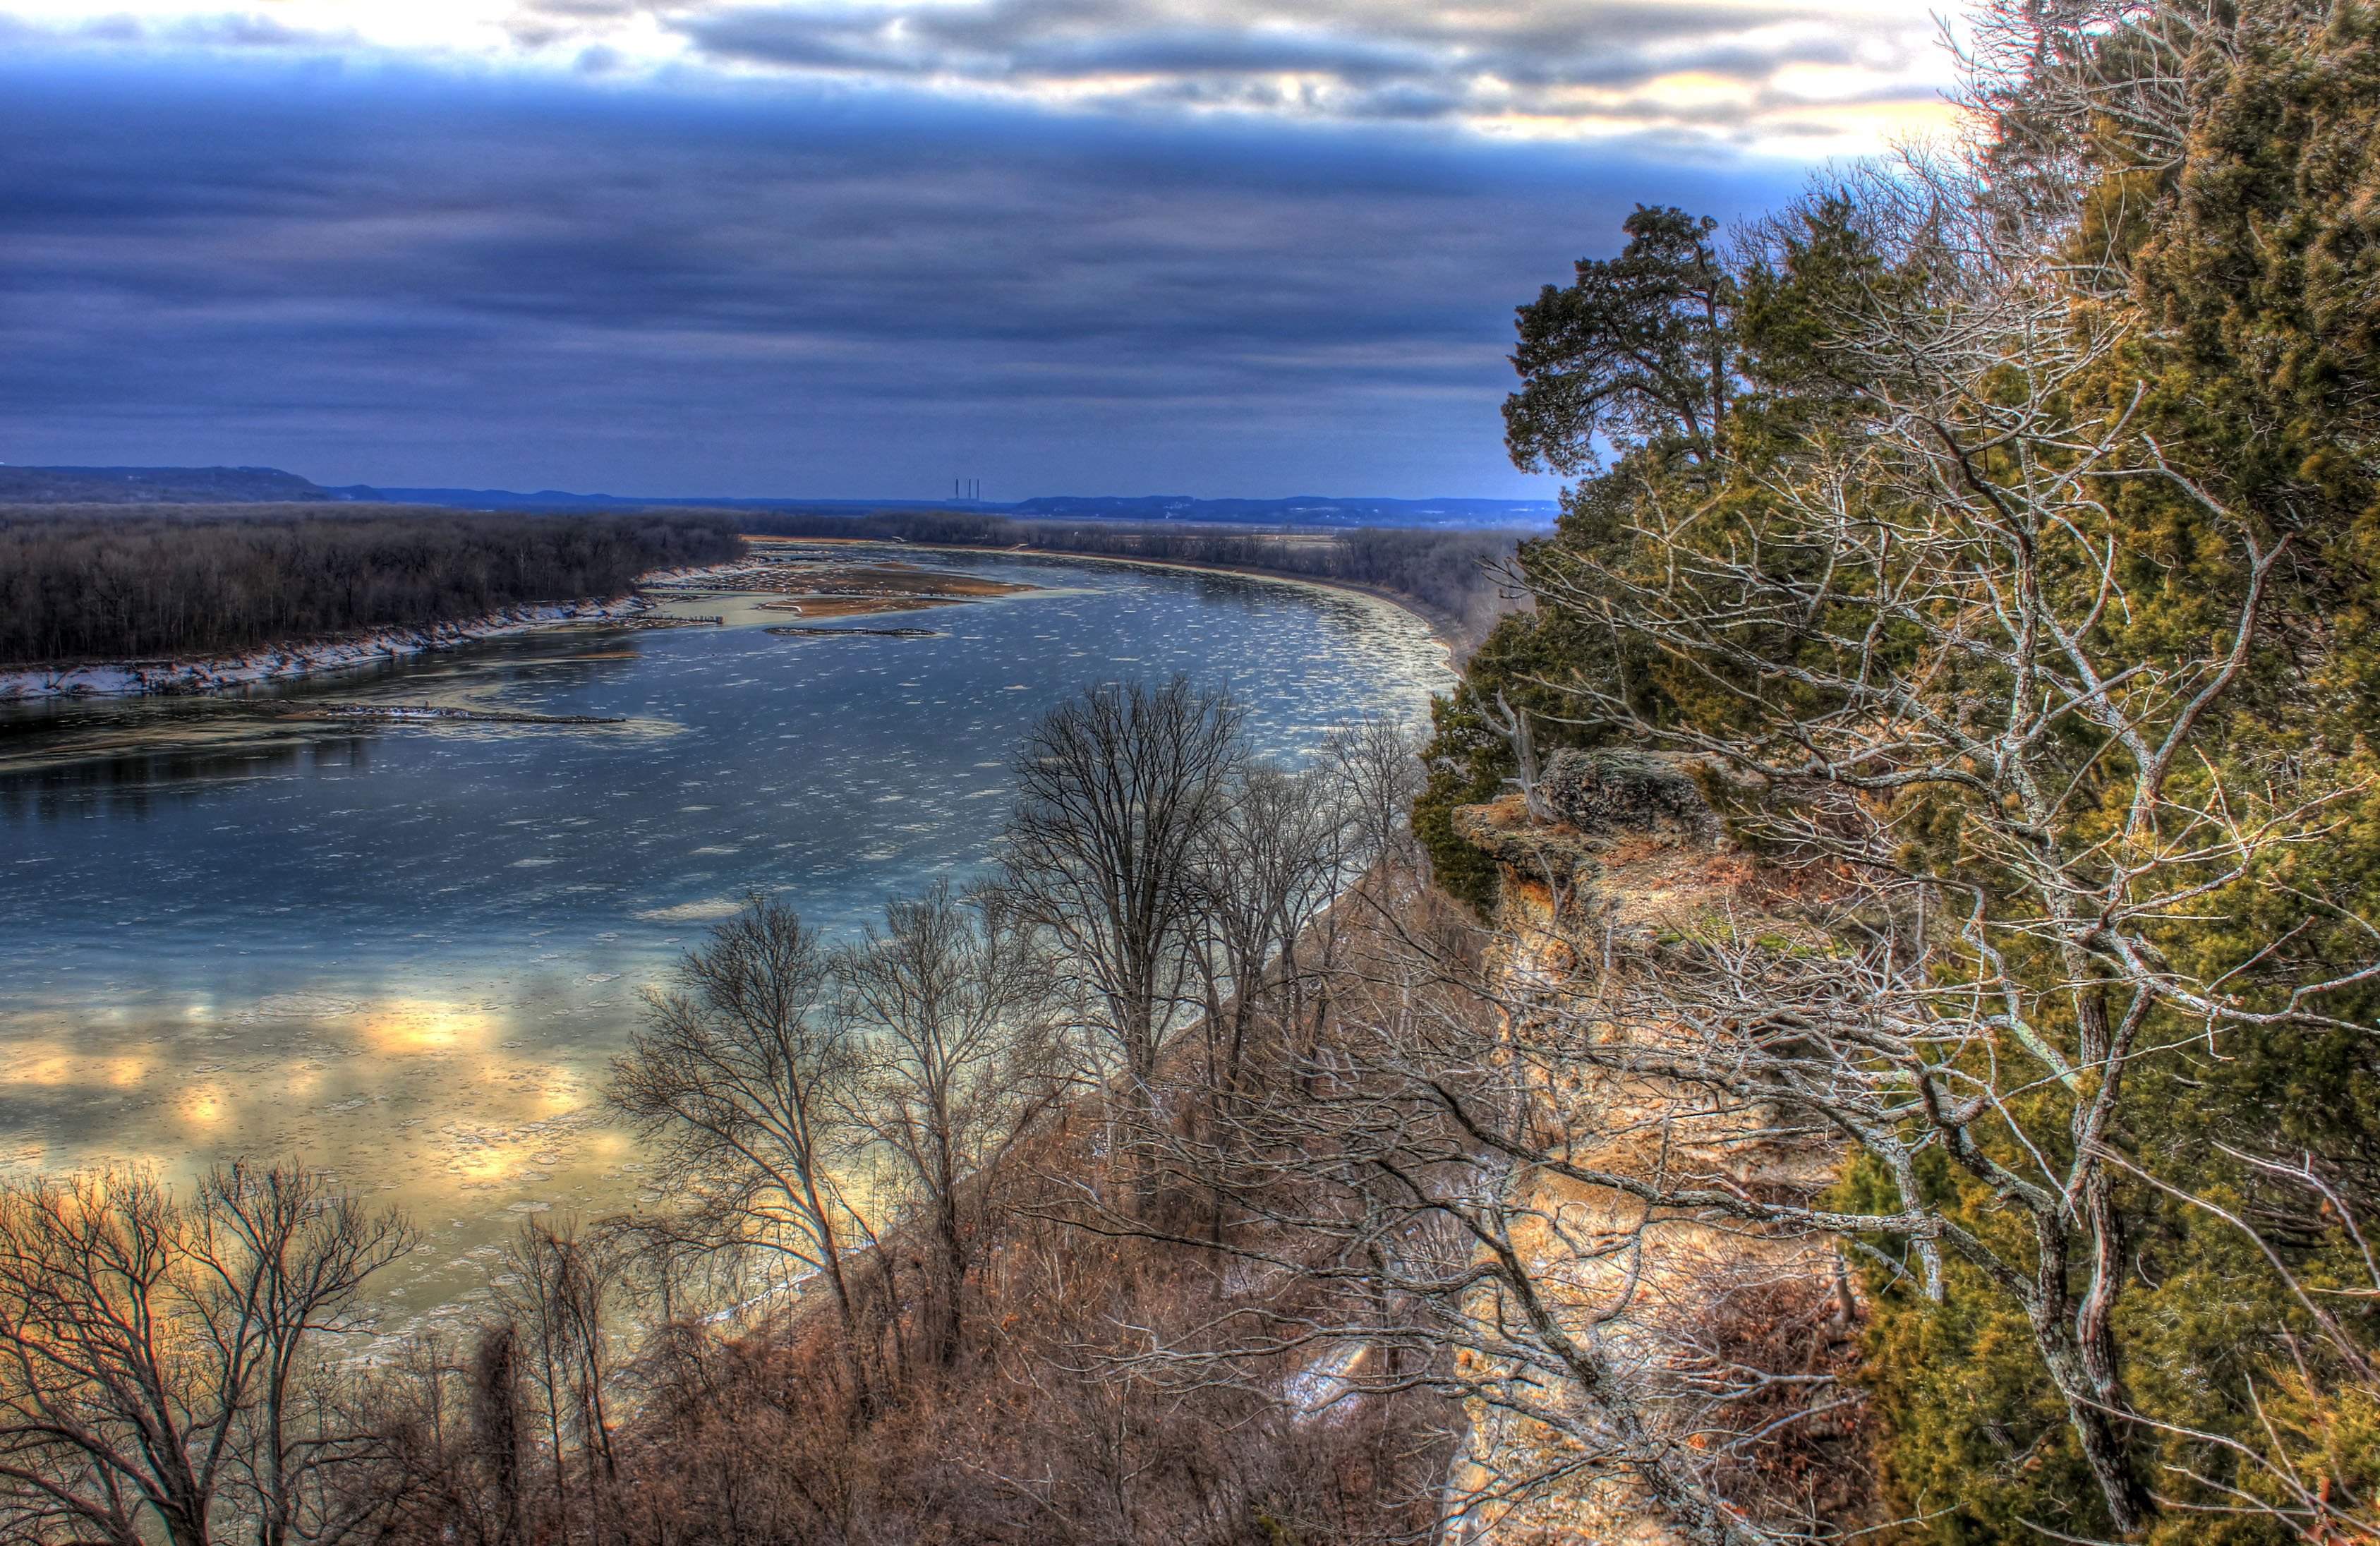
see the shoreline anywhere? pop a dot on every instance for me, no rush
(206, 675)
(202, 675)
(1443, 627)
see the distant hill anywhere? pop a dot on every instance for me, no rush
(507, 499)
(1296, 510)
(243, 485)
(1305, 509)
(155, 485)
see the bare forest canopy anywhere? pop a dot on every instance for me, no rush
(1449, 574)
(79, 584)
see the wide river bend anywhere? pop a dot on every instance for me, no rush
(405, 952)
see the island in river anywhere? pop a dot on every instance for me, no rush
(823, 582)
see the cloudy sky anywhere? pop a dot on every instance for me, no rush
(859, 248)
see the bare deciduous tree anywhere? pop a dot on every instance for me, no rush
(964, 1056)
(558, 1308)
(1263, 875)
(1378, 759)
(1116, 792)
(499, 1427)
(1402, 1224)
(743, 1079)
(163, 1371)
(461, 1455)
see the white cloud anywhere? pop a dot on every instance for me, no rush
(1804, 76)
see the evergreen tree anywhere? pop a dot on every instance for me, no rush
(2164, 228)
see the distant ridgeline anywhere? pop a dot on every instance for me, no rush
(155, 485)
(1295, 510)
(248, 485)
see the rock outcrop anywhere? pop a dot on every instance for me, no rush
(1637, 863)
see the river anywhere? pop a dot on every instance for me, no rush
(405, 952)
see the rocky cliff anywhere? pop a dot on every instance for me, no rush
(1634, 869)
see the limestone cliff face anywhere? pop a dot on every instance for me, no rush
(1635, 845)
(1592, 903)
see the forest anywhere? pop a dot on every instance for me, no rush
(1991, 532)
(77, 585)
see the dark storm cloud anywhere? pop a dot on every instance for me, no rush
(391, 278)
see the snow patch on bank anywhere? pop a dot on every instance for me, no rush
(223, 672)
(218, 672)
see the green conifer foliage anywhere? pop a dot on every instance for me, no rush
(2242, 274)
(2203, 180)
(1637, 356)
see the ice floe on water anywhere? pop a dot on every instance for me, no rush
(411, 953)
(708, 909)
(301, 1006)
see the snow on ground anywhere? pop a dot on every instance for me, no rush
(217, 673)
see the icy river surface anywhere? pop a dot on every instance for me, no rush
(407, 952)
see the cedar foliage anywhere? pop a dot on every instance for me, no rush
(78, 585)
(2209, 173)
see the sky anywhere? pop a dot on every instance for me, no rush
(856, 249)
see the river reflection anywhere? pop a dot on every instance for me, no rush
(407, 953)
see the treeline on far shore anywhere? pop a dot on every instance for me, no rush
(1447, 572)
(82, 585)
